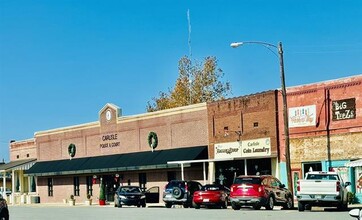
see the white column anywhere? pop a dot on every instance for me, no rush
(4, 184)
(211, 172)
(182, 171)
(203, 166)
(245, 167)
(12, 186)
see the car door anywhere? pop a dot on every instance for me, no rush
(153, 195)
(278, 190)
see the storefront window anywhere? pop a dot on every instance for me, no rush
(76, 186)
(90, 185)
(358, 172)
(50, 187)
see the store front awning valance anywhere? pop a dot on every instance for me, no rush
(17, 165)
(119, 162)
(355, 163)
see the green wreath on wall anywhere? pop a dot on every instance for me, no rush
(152, 140)
(71, 150)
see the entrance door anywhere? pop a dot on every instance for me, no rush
(313, 166)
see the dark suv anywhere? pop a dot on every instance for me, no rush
(180, 192)
(258, 191)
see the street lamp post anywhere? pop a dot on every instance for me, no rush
(284, 95)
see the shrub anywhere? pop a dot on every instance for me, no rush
(71, 197)
(350, 197)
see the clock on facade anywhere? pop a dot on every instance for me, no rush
(108, 115)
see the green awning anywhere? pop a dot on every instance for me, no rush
(120, 162)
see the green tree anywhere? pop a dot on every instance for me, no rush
(196, 83)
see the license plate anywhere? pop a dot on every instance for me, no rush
(205, 200)
(318, 196)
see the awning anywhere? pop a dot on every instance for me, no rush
(119, 162)
(355, 163)
(17, 165)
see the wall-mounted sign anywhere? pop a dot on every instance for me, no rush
(302, 116)
(256, 147)
(227, 150)
(344, 109)
(109, 140)
(249, 148)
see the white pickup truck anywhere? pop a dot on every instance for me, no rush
(324, 189)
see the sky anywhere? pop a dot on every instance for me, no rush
(61, 61)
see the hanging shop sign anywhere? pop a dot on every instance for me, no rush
(344, 109)
(109, 140)
(302, 116)
(256, 147)
(227, 150)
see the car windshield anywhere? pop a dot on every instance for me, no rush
(130, 190)
(247, 180)
(322, 177)
(211, 188)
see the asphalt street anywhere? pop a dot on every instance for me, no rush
(57, 212)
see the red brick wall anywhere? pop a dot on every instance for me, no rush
(240, 114)
(309, 143)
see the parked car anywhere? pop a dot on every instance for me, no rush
(258, 191)
(180, 192)
(211, 195)
(322, 189)
(129, 195)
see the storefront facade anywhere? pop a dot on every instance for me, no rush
(120, 150)
(243, 135)
(325, 127)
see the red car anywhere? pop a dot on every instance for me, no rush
(211, 195)
(258, 191)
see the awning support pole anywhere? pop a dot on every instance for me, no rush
(4, 184)
(204, 169)
(182, 171)
(245, 167)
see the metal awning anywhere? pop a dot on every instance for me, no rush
(120, 162)
(17, 165)
(355, 163)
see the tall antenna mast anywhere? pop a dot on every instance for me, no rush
(189, 25)
(190, 52)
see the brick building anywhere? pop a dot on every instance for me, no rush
(243, 136)
(119, 150)
(325, 127)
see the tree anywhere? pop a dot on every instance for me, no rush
(195, 84)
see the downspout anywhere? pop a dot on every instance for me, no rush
(328, 120)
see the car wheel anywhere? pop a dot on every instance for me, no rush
(177, 193)
(119, 206)
(143, 204)
(257, 206)
(185, 205)
(196, 206)
(168, 205)
(235, 206)
(301, 207)
(270, 203)
(289, 204)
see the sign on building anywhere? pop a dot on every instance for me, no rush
(227, 150)
(302, 116)
(344, 109)
(256, 147)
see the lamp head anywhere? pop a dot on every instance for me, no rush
(236, 44)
